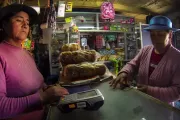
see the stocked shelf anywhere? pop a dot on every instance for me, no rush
(119, 36)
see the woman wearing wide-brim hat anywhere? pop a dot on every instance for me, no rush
(21, 84)
(157, 65)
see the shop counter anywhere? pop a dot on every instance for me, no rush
(129, 104)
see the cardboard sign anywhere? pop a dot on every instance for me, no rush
(61, 10)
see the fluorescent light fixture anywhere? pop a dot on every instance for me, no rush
(36, 8)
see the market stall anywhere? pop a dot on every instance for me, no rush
(84, 51)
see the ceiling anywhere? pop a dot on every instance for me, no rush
(135, 8)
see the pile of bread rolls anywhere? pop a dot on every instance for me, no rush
(83, 70)
(76, 57)
(80, 64)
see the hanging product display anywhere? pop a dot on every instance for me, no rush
(107, 11)
(69, 7)
(127, 21)
(52, 17)
(61, 10)
(99, 41)
(71, 22)
(71, 27)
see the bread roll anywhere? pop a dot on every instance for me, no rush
(65, 48)
(72, 71)
(65, 57)
(87, 70)
(71, 47)
(76, 57)
(84, 70)
(100, 69)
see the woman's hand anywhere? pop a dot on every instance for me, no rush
(142, 88)
(122, 78)
(52, 93)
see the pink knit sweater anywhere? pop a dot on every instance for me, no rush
(164, 82)
(20, 81)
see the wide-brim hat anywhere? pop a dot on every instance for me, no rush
(160, 23)
(14, 8)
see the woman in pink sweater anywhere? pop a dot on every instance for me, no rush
(158, 66)
(21, 84)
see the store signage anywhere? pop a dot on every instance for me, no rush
(61, 10)
(69, 7)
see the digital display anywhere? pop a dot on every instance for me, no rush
(86, 94)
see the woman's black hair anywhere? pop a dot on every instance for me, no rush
(3, 34)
